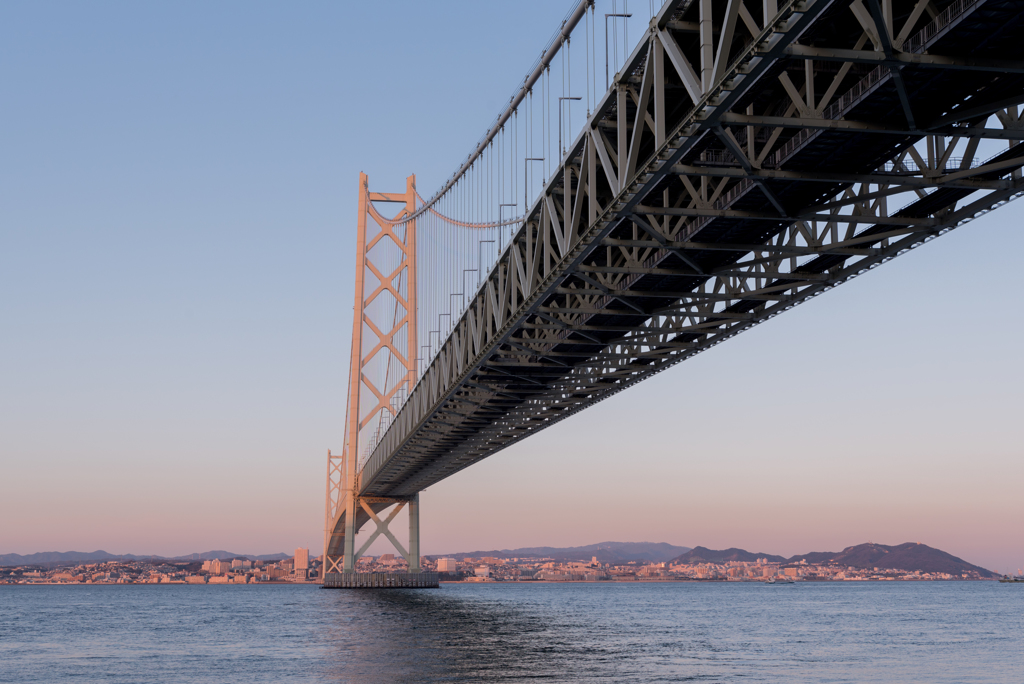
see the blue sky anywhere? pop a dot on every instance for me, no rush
(177, 217)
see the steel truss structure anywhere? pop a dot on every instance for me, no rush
(748, 157)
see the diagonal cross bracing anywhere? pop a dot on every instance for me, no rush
(749, 176)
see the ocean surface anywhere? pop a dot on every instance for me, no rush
(665, 632)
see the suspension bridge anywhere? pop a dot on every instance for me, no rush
(736, 159)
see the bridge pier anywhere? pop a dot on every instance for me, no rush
(350, 534)
(381, 580)
(340, 571)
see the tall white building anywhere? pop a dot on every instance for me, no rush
(301, 559)
(446, 565)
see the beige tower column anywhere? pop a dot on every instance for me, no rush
(344, 502)
(414, 533)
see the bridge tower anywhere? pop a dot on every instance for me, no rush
(382, 371)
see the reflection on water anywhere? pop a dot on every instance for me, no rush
(439, 636)
(954, 632)
(813, 632)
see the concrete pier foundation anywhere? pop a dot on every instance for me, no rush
(380, 580)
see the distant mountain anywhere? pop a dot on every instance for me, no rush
(606, 552)
(224, 555)
(701, 554)
(56, 557)
(816, 557)
(909, 556)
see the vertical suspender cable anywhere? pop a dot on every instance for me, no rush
(615, 38)
(593, 49)
(515, 159)
(586, 58)
(626, 30)
(551, 162)
(528, 155)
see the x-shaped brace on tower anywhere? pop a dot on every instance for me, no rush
(382, 527)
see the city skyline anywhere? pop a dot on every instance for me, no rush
(864, 562)
(910, 556)
(177, 287)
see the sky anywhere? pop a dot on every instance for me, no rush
(177, 230)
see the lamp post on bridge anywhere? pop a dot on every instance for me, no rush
(526, 187)
(501, 208)
(607, 83)
(561, 101)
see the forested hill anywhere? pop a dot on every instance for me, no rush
(910, 556)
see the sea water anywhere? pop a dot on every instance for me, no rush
(573, 632)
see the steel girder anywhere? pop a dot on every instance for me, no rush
(736, 168)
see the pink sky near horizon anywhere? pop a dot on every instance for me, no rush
(721, 451)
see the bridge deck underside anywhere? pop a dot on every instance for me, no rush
(667, 269)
